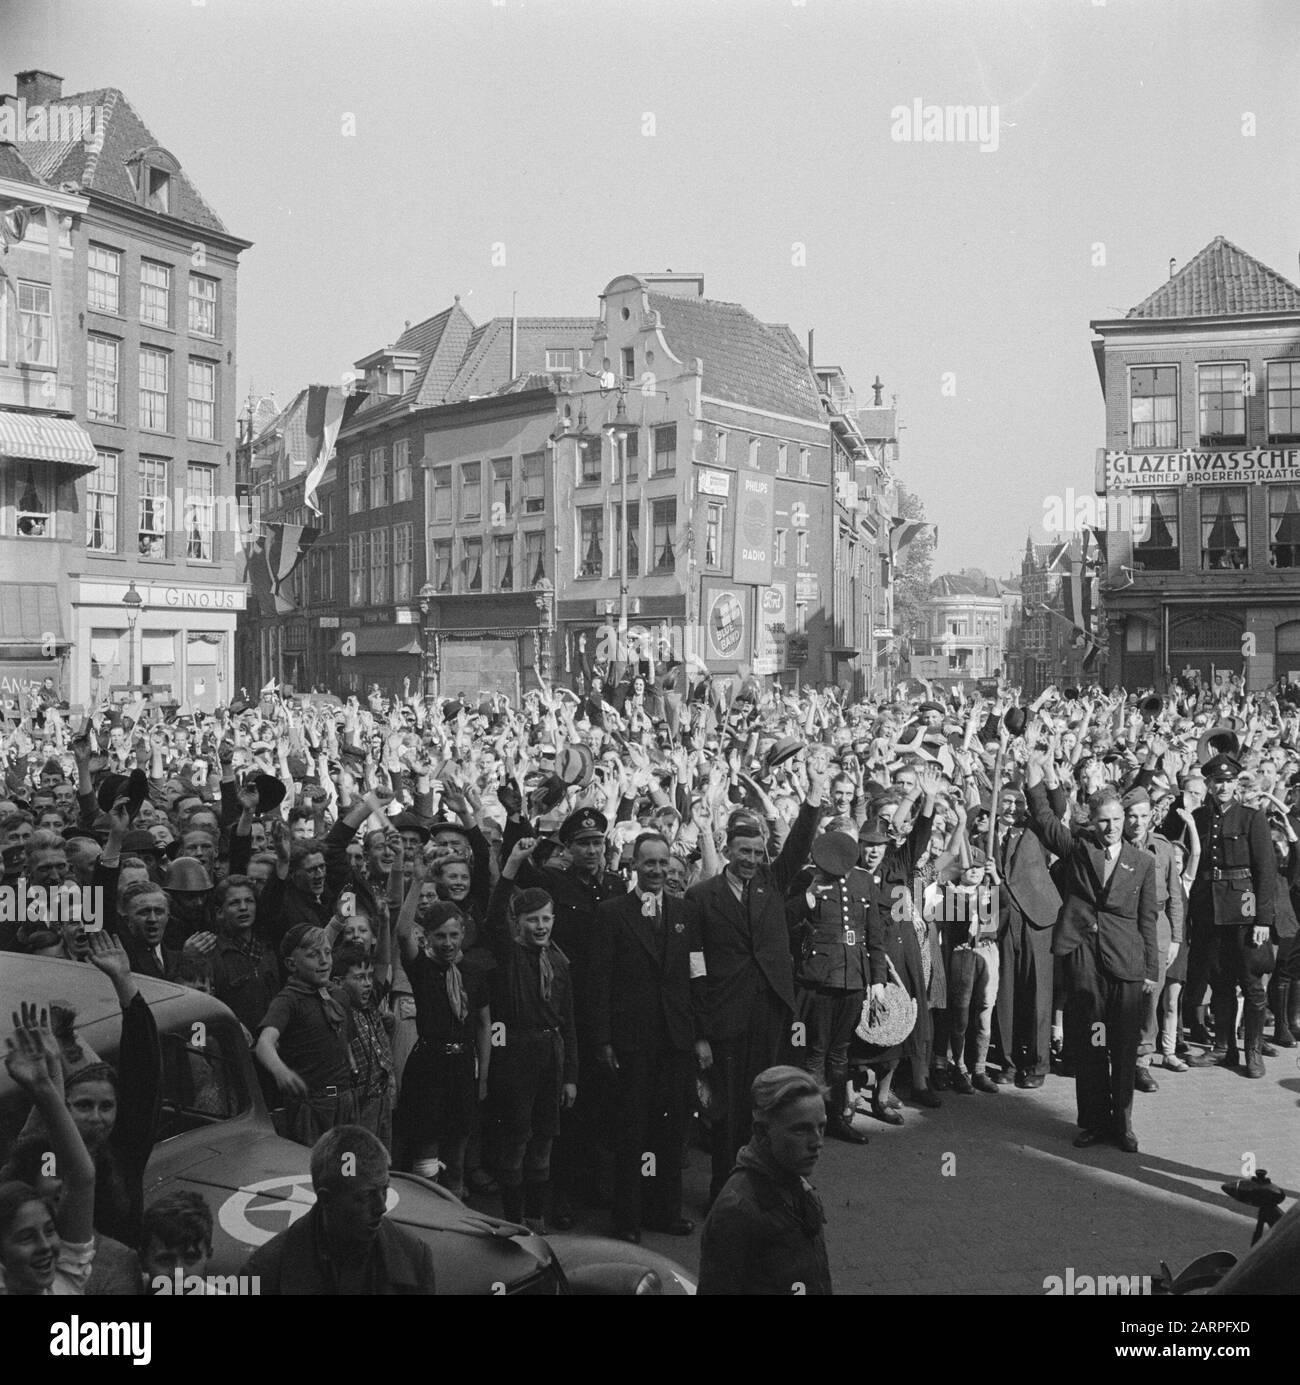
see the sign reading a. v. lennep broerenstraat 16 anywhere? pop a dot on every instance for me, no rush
(1195, 467)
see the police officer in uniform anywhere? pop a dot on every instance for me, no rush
(1232, 903)
(841, 952)
(577, 891)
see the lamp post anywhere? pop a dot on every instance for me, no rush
(426, 595)
(618, 431)
(546, 627)
(132, 600)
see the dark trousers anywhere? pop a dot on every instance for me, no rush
(1200, 946)
(1103, 1022)
(1024, 1004)
(576, 1160)
(649, 1135)
(1236, 961)
(829, 1016)
(737, 1061)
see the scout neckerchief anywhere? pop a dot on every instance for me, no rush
(545, 970)
(455, 987)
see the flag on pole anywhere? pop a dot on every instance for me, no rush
(328, 408)
(277, 552)
(904, 532)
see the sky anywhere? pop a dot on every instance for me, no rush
(754, 140)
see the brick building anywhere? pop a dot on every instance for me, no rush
(438, 512)
(1201, 474)
(730, 502)
(149, 359)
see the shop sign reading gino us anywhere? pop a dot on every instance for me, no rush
(1240, 466)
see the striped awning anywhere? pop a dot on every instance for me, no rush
(46, 439)
(31, 615)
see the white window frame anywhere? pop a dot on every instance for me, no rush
(101, 502)
(203, 304)
(100, 382)
(101, 277)
(155, 290)
(149, 393)
(201, 408)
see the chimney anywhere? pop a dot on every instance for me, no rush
(1172, 263)
(876, 389)
(39, 88)
(810, 348)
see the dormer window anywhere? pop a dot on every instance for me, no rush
(159, 196)
(388, 373)
(152, 172)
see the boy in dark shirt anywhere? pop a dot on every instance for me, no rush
(536, 1068)
(304, 1040)
(447, 1073)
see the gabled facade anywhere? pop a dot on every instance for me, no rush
(43, 450)
(151, 368)
(728, 482)
(1201, 475)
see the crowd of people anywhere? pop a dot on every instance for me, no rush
(537, 952)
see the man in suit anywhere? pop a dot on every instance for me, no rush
(646, 985)
(750, 970)
(1106, 938)
(1028, 903)
(1233, 902)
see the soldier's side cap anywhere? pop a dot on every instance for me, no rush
(586, 822)
(836, 853)
(872, 834)
(1137, 795)
(1221, 767)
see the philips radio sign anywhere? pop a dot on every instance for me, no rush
(753, 552)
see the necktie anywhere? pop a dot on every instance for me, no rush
(456, 990)
(1109, 868)
(546, 971)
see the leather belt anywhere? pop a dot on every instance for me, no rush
(1236, 873)
(330, 1091)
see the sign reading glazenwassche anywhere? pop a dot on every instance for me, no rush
(1189, 467)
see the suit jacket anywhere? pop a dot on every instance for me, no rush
(1026, 881)
(643, 983)
(1235, 840)
(1120, 911)
(143, 961)
(748, 952)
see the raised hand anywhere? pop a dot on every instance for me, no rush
(108, 954)
(32, 1058)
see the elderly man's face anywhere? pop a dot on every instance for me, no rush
(48, 867)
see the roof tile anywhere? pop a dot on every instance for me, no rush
(1221, 280)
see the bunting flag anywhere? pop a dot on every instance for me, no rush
(275, 555)
(1076, 588)
(328, 409)
(904, 532)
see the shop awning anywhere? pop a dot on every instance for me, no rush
(46, 439)
(382, 639)
(30, 615)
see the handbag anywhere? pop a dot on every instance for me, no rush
(889, 1020)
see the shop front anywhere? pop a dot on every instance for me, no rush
(178, 646)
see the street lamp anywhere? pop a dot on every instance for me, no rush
(546, 619)
(132, 600)
(425, 596)
(618, 430)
